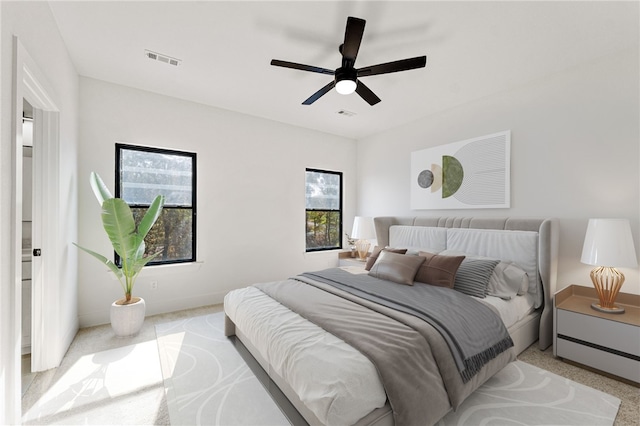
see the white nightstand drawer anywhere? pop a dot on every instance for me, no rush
(601, 360)
(607, 333)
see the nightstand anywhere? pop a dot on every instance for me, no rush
(350, 261)
(606, 342)
(345, 259)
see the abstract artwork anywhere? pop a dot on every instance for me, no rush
(469, 174)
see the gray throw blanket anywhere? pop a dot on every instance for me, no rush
(474, 332)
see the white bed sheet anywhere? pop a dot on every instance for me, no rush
(334, 380)
(512, 311)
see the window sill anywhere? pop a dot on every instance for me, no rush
(178, 268)
(163, 270)
(324, 251)
(331, 252)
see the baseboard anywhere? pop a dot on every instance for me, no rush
(185, 303)
(154, 308)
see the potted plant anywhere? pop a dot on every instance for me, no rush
(127, 239)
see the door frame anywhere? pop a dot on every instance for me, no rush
(30, 84)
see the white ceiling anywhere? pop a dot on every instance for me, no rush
(474, 49)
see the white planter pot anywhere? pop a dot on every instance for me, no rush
(127, 320)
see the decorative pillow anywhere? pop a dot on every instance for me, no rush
(376, 251)
(438, 270)
(473, 276)
(508, 280)
(396, 267)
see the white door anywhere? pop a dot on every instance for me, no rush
(49, 332)
(45, 306)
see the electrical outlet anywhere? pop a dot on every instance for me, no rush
(154, 285)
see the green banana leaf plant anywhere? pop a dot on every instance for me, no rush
(127, 239)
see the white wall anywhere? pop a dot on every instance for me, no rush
(33, 24)
(250, 195)
(574, 155)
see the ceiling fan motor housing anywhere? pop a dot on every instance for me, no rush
(346, 73)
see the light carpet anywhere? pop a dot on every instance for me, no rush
(207, 382)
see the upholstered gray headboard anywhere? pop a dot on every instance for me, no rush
(547, 230)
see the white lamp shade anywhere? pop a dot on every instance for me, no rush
(609, 242)
(363, 228)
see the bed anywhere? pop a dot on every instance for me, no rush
(383, 346)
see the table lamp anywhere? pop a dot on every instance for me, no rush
(363, 230)
(608, 244)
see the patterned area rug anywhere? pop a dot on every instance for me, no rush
(521, 394)
(208, 383)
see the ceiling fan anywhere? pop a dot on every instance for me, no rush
(347, 77)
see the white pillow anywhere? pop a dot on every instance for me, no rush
(509, 280)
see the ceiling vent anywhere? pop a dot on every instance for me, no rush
(162, 58)
(346, 113)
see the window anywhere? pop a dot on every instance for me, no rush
(142, 173)
(323, 210)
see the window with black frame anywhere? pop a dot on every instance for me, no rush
(323, 209)
(142, 173)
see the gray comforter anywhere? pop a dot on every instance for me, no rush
(417, 368)
(473, 331)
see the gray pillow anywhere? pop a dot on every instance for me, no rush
(507, 280)
(395, 267)
(472, 277)
(376, 252)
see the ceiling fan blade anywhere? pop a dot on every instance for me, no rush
(319, 93)
(366, 94)
(352, 38)
(395, 66)
(302, 67)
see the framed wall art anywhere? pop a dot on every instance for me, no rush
(469, 174)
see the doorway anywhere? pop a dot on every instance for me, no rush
(40, 229)
(27, 221)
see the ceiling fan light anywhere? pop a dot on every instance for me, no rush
(346, 87)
